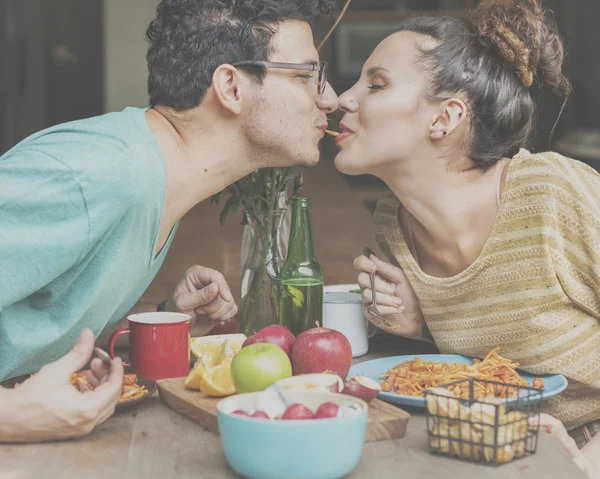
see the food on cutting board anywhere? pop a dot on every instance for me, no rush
(209, 345)
(274, 334)
(211, 373)
(321, 350)
(258, 366)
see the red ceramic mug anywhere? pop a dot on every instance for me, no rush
(159, 344)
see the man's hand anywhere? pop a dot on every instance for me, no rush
(203, 292)
(46, 406)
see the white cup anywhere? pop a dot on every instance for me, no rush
(342, 311)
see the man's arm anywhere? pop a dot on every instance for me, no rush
(203, 293)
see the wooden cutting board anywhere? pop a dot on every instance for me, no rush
(385, 420)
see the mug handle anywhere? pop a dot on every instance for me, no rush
(113, 340)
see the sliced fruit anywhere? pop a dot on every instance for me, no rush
(313, 382)
(297, 411)
(223, 356)
(240, 412)
(362, 387)
(211, 344)
(224, 353)
(327, 410)
(216, 381)
(193, 379)
(261, 415)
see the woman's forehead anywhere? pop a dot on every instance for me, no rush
(398, 51)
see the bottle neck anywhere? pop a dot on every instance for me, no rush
(301, 247)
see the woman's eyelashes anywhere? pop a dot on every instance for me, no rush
(375, 87)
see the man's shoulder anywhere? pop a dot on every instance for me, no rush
(112, 159)
(106, 151)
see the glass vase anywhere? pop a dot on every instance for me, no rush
(264, 250)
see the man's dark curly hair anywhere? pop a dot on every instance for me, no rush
(189, 39)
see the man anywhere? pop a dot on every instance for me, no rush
(88, 209)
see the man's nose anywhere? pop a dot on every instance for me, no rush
(328, 100)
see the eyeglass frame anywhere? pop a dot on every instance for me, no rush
(321, 68)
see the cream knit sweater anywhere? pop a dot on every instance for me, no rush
(533, 290)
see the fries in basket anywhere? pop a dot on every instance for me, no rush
(488, 430)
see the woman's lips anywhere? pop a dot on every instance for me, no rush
(342, 136)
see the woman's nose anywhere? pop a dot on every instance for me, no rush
(347, 102)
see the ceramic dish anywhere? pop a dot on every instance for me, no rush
(553, 384)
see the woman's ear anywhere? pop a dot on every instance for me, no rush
(228, 88)
(450, 116)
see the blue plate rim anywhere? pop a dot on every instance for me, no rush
(416, 401)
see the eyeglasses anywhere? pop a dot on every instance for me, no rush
(321, 68)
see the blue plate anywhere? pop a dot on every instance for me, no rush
(553, 384)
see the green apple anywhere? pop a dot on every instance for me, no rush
(259, 365)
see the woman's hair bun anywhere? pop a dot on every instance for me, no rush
(527, 38)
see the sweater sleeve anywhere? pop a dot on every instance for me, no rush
(575, 240)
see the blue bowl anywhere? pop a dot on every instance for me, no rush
(290, 449)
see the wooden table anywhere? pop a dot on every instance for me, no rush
(152, 441)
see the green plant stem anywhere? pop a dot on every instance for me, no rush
(252, 300)
(256, 289)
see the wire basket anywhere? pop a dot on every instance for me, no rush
(490, 429)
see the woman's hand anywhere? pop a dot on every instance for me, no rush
(586, 458)
(46, 406)
(396, 300)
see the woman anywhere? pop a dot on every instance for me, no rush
(489, 244)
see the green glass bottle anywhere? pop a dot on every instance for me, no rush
(301, 298)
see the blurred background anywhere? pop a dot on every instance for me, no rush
(62, 60)
(68, 59)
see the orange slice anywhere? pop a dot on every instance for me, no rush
(193, 379)
(226, 352)
(211, 344)
(217, 381)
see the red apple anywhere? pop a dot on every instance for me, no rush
(327, 410)
(362, 387)
(261, 415)
(321, 350)
(274, 334)
(240, 412)
(297, 411)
